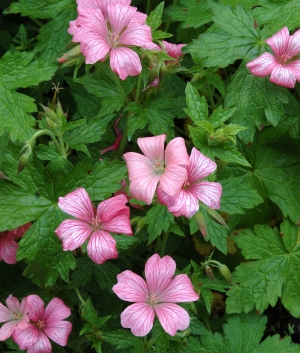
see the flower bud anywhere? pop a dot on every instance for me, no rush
(72, 54)
(199, 218)
(215, 216)
(23, 161)
(209, 272)
(224, 270)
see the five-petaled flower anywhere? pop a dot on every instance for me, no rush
(157, 295)
(112, 215)
(283, 67)
(166, 167)
(109, 27)
(186, 203)
(44, 323)
(15, 314)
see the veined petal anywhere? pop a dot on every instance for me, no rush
(263, 65)
(125, 62)
(26, 338)
(139, 35)
(138, 165)
(73, 233)
(279, 41)
(159, 273)
(120, 223)
(102, 247)
(131, 287)
(143, 187)
(284, 76)
(56, 311)
(139, 318)
(42, 345)
(109, 208)
(119, 16)
(36, 307)
(59, 332)
(95, 50)
(172, 317)
(208, 192)
(172, 179)
(293, 47)
(153, 147)
(20, 231)
(8, 249)
(5, 314)
(294, 66)
(180, 289)
(7, 329)
(176, 152)
(13, 303)
(77, 204)
(138, 18)
(173, 50)
(199, 166)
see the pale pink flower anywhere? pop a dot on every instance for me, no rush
(8, 245)
(44, 323)
(15, 314)
(173, 50)
(112, 215)
(156, 295)
(186, 203)
(283, 67)
(109, 27)
(166, 167)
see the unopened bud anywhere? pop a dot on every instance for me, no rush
(23, 161)
(224, 270)
(199, 218)
(209, 272)
(140, 222)
(70, 55)
(215, 216)
(49, 112)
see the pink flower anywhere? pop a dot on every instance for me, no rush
(157, 165)
(8, 245)
(283, 67)
(112, 215)
(186, 203)
(155, 296)
(15, 314)
(44, 323)
(173, 50)
(109, 27)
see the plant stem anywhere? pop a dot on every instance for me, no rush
(79, 296)
(62, 146)
(138, 88)
(148, 7)
(117, 82)
(169, 19)
(163, 243)
(206, 323)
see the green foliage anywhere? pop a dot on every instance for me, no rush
(124, 339)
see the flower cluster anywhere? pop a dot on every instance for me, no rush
(31, 326)
(107, 28)
(179, 176)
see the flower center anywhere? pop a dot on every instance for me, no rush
(185, 185)
(284, 58)
(17, 316)
(96, 223)
(159, 167)
(153, 299)
(40, 324)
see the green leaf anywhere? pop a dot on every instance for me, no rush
(124, 241)
(238, 195)
(41, 9)
(106, 275)
(158, 219)
(123, 339)
(46, 153)
(198, 108)
(255, 99)
(271, 14)
(83, 272)
(270, 273)
(235, 36)
(188, 12)
(216, 234)
(160, 122)
(154, 18)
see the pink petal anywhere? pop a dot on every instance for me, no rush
(173, 179)
(7, 329)
(5, 314)
(293, 47)
(26, 338)
(208, 192)
(24, 306)
(102, 247)
(139, 35)
(138, 165)
(56, 311)
(42, 345)
(284, 75)
(153, 147)
(138, 18)
(119, 16)
(263, 65)
(279, 41)
(173, 50)
(159, 273)
(176, 152)
(180, 289)
(120, 223)
(8, 248)
(125, 62)
(172, 317)
(139, 318)
(199, 166)
(13, 303)
(36, 307)
(95, 50)
(77, 204)
(110, 208)
(20, 231)
(73, 233)
(59, 332)
(131, 287)
(143, 188)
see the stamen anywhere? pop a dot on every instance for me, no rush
(153, 299)
(96, 223)
(40, 325)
